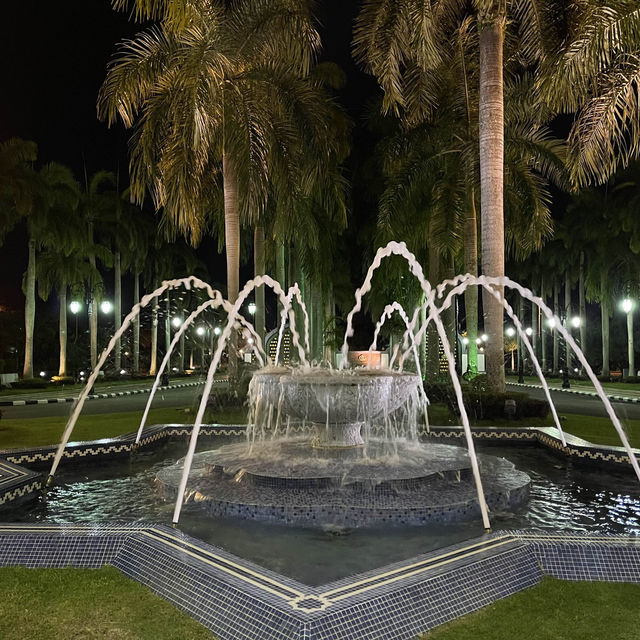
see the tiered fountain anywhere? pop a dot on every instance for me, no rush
(340, 449)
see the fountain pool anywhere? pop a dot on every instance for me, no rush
(563, 497)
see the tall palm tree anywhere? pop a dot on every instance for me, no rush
(59, 269)
(586, 60)
(61, 197)
(18, 181)
(223, 98)
(97, 203)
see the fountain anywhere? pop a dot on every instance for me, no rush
(340, 447)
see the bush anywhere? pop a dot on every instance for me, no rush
(483, 405)
(30, 383)
(61, 380)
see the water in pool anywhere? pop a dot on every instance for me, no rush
(563, 497)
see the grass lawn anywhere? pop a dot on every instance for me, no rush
(33, 432)
(610, 387)
(593, 429)
(69, 604)
(553, 610)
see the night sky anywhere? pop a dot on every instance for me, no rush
(53, 58)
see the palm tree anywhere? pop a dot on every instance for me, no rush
(404, 44)
(223, 99)
(61, 197)
(18, 181)
(58, 269)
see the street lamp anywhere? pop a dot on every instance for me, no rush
(75, 307)
(176, 322)
(106, 306)
(217, 331)
(200, 331)
(576, 322)
(627, 307)
(252, 308)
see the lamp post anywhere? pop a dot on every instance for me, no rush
(252, 308)
(75, 307)
(627, 307)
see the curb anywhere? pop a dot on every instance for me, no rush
(95, 396)
(577, 392)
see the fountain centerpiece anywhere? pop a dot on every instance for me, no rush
(340, 448)
(338, 403)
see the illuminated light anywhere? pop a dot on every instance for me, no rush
(484, 337)
(176, 322)
(43, 374)
(551, 323)
(465, 340)
(200, 331)
(478, 340)
(560, 371)
(529, 331)
(576, 370)
(106, 306)
(74, 307)
(250, 340)
(510, 332)
(627, 305)
(174, 369)
(217, 331)
(575, 322)
(82, 373)
(122, 372)
(252, 308)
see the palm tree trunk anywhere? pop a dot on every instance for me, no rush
(62, 317)
(604, 314)
(329, 318)
(432, 364)
(543, 331)
(556, 343)
(450, 315)
(470, 239)
(567, 316)
(29, 311)
(534, 327)
(259, 269)
(281, 274)
(583, 310)
(117, 309)
(491, 133)
(153, 363)
(136, 325)
(232, 245)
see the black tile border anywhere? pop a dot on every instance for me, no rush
(238, 600)
(577, 449)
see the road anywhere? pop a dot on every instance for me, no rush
(184, 397)
(585, 405)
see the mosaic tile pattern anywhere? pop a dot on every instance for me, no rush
(239, 600)
(16, 482)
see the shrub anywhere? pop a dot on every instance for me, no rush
(31, 383)
(484, 405)
(60, 380)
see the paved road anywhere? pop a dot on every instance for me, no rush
(585, 405)
(184, 397)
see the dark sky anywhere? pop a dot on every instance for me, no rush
(53, 57)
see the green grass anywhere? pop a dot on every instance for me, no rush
(34, 432)
(87, 604)
(591, 428)
(554, 610)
